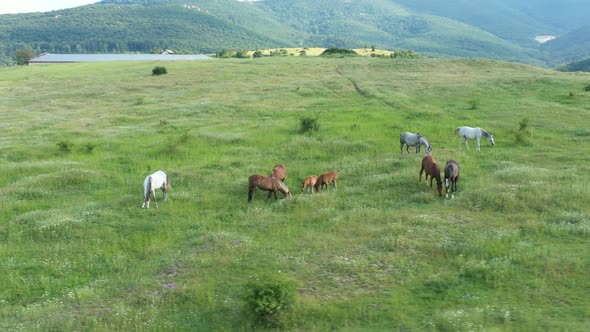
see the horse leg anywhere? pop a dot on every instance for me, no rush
(269, 194)
(334, 182)
(155, 200)
(478, 148)
(417, 147)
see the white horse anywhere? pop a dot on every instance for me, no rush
(415, 140)
(158, 180)
(467, 133)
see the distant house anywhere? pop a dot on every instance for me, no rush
(49, 58)
(167, 51)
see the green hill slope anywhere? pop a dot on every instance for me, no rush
(382, 252)
(570, 47)
(207, 26)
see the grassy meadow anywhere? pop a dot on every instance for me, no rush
(511, 251)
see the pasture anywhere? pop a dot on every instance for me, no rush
(511, 251)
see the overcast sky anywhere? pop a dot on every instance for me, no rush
(28, 6)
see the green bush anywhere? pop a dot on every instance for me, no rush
(257, 54)
(64, 146)
(269, 299)
(338, 51)
(158, 70)
(587, 87)
(309, 124)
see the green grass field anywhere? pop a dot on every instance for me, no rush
(383, 252)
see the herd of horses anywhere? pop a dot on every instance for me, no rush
(276, 181)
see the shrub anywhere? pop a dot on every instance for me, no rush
(242, 54)
(523, 131)
(269, 299)
(64, 146)
(473, 104)
(338, 51)
(257, 54)
(158, 70)
(409, 54)
(587, 87)
(88, 147)
(309, 124)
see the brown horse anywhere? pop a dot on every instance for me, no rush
(309, 182)
(270, 184)
(325, 179)
(452, 176)
(431, 167)
(279, 171)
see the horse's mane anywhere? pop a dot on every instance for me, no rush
(484, 133)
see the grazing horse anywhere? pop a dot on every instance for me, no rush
(467, 133)
(431, 168)
(451, 177)
(415, 140)
(309, 182)
(279, 171)
(325, 179)
(158, 180)
(266, 183)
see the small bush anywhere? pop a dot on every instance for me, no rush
(587, 87)
(158, 70)
(473, 104)
(309, 124)
(88, 147)
(269, 299)
(257, 54)
(523, 132)
(64, 146)
(338, 51)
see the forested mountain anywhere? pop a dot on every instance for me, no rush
(501, 29)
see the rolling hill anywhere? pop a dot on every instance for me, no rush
(502, 30)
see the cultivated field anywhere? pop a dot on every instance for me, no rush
(383, 252)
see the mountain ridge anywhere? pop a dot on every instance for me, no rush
(204, 26)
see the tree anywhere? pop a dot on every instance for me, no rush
(23, 55)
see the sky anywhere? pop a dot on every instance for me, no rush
(28, 6)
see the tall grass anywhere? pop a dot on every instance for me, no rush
(510, 252)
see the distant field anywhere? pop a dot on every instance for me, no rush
(383, 252)
(316, 51)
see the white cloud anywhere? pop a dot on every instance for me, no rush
(29, 6)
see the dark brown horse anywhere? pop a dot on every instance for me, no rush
(279, 171)
(270, 184)
(325, 179)
(452, 176)
(431, 168)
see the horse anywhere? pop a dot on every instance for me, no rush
(309, 182)
(430, 167)
(415, 140)
(266, 183)
(325, 179)
(466, 133)
(451, 177)
(279, 171)
(157, 180)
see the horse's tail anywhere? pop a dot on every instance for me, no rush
(147, 189)
(168, 186)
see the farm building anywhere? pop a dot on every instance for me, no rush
(48, 58)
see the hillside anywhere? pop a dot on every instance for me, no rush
(511, 250)
(498, 30)
(582, 65)
(569, 47)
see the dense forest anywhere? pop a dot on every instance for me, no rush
(503, 30)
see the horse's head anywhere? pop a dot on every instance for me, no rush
(429, 149)
(439, 186)
(492, 140)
